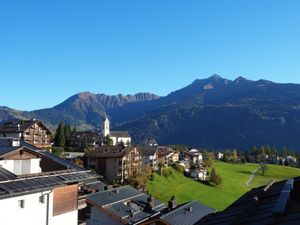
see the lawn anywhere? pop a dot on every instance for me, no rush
(234, 177)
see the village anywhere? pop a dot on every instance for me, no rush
(102, 180)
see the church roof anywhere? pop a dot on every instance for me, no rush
(119, 134)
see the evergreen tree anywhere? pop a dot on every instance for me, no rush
(107, 140)
(284, 151)
(60, 138)
(234, 155)
(254, 150)
(215, 179)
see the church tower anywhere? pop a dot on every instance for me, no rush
(105, 127)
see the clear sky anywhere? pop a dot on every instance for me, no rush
(50, 50)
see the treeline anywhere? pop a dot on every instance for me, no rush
(63, 135)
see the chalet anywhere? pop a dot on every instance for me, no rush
(167, 155)
(118, 137)
(123, 205)
(195, 156)
(275, 203)
(198, 173)
(114, 162)
(149, 156)
(39, 188)
(32, 131)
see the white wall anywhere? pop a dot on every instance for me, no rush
(21, 167)
(34, 212)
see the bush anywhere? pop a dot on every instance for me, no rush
(58, 151)
(214, 178)
(178, 167)
(151, 177)
(166, 171)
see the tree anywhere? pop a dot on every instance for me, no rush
(58, 151)
(234, 156)
(60, 139)
(208, 158)
(215, 179)
(284, 151)
(107, 140)
(254, 150)
(227, 156)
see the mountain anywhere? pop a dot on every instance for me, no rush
(218, 113)
(214, 113)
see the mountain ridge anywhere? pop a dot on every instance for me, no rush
(213, 113)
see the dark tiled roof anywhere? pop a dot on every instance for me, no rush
(119, 134)
(127, 204)
(187, 214)
(277, 203)
(6, 175)
(112, 196)
(109, 152)
(164, 151)
(19, 126)
(148, 150)
(31, 184)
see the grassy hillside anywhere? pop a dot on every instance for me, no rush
(234, 177)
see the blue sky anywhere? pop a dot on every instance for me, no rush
(50, 50)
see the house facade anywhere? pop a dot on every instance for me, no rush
(115, 162)
(32, 131)
(149, 155)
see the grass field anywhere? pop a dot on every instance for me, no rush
(234, 177)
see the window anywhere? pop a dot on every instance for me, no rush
(42, 199)
(21, 204)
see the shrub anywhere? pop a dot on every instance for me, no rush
(166, 171)
(178, 167)
(215, 179)
(58, 151)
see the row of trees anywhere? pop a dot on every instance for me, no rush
(63, 135)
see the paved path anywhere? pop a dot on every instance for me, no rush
(247, 183)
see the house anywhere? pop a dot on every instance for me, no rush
(115, 162)
(195, 156)
(291, 160)
(167, 155)
(275, 203)
(32, 131)
(39, 188)
(149, 156)
(198, 173)
(85, 139)
(122, 205)
(118, 137)
(220, 155)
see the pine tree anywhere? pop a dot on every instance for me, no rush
(60, 139)
(215, 179)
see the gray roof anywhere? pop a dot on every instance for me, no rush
(6, 147)
(109, 152)
(35, 183)
(6, 175)
(113, 196)
(119, 134)
(126, 203)
(275, 203)
(187, 214)
(20, 126)
(148, 150)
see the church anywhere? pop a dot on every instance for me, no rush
(117, 137)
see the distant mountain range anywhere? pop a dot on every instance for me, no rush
(214, 113)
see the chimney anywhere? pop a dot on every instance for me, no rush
(150, 203)
(172, 203)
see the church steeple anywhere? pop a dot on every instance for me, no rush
(105, 127)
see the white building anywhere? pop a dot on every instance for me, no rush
(195, 156)
(36, 187)
(118, 137)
